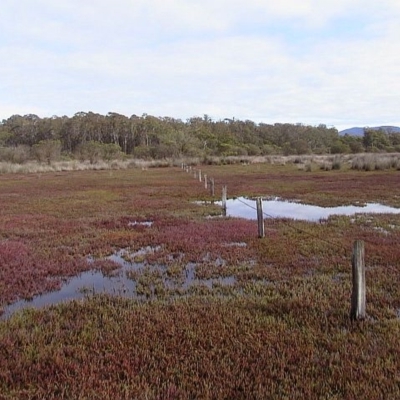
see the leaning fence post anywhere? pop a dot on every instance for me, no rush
(224, 191)
(260, 218)
(358, 295)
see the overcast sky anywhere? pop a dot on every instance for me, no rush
(335, 62)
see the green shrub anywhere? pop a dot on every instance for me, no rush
(47, 151)
(15, 155)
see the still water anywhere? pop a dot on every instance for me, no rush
(77, 288)
(276, 208)
(118, 283)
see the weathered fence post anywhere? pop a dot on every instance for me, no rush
(212, 187)
(224, 191)
(260, 218)
(205, 181)
(199, 175)
(358, 295)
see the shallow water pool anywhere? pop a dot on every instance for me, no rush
(276, 208)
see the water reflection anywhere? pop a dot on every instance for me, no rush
(120, 282)
(77, 288)
(276, 208)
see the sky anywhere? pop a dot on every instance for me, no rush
(332, 62)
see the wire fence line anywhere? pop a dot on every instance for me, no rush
(296, 228)
(308, 233)
(318, 238)
(358, 295)
(284, 220)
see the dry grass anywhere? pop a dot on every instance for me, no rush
(58, 166)
(372, 162)
(308, 163)
(74, 165)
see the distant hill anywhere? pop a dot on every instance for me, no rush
(356, 131)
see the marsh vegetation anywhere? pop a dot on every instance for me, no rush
(261, 318)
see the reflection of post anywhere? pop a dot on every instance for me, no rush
(224, 191)
(205, 181)
(260, 218)
(212, 187)
(358, 297)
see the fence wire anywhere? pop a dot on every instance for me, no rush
(296, 228)
(289, 224)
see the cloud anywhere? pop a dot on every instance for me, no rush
(332, 62)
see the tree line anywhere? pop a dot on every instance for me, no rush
(91, 136)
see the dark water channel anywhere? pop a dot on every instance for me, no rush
(276, 208)
(118, 283)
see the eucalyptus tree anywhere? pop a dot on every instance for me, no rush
(118, 129)
(375, 139)
(21, 129)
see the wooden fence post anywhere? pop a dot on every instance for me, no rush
(212, 187)
(260, 218)
(205, 181)
(199, 175)
(358, 295)
(224, 191)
